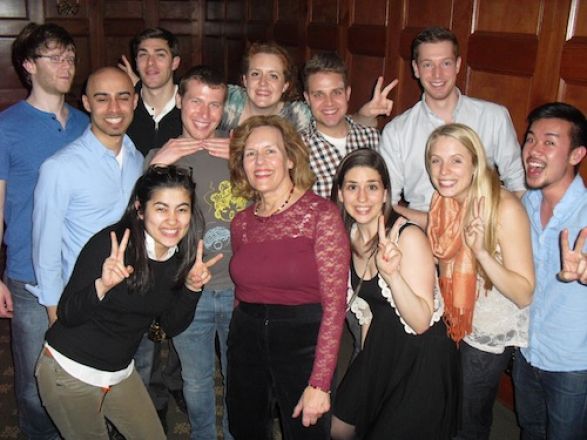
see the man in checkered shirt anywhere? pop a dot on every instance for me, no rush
(332, 133)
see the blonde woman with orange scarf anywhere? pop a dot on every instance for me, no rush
(480, 235)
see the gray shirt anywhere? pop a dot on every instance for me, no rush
(403, 146)
(218, 205)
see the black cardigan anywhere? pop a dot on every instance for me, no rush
(105, 334)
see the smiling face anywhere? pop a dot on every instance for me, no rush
(166, 217)
(363, 195)
(329, 101)
(451, 168)
(111, 100)
(265, 80)
(155, 63)
(52, 78)
(548, 158)
(437, 68)
(265, 161)
(201, 109)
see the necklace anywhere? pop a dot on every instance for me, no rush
(283, 205)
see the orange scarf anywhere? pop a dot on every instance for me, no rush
(458, 266)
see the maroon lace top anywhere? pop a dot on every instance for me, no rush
(298, 256)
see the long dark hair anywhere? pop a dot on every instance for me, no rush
(158, 177)
(364, 157)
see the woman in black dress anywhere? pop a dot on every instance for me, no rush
(404, 382)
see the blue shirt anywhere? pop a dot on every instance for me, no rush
(558, 313)
(28, 136)
(81, 190)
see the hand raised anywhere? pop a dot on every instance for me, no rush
(218, 147)
(574, 261)
(475, 229)
(389, 255)
(380, 104)
(200, 274)
(114, 270)
(175, 149)
(125, 66)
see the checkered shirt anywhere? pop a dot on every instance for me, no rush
(325, 157)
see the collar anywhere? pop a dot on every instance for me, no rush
(314, 130)
(564, 208)
(94, 144)
(454, 112)
(150, 245)
(170, 105)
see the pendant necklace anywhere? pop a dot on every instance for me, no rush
(283, 205)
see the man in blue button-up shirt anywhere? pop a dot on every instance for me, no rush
(86, 185)
(550, 375)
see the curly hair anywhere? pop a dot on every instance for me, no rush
(31, 39)
(295, 149)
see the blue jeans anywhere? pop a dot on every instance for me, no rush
(29, 325)
(196, 350)
(550, 404)
(144, 359)
(481, 372)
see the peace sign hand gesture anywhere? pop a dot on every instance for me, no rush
(380, 104)
(114, 270)
(574, 261)
(475, 230)
(389, 255)
(199, 274)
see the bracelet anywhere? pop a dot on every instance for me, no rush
(319, 389)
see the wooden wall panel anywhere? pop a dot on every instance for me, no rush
(573, 66)
(102, 30)
(522, 16)
(489, 85)
(14, 15)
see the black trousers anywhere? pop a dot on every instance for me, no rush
(271, 352)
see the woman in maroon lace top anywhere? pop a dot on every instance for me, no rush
(290, 267)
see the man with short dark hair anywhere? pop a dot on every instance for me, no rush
(30, 131)
(332, 134)
(436, 63)
(156, 119)
(200, 98)
(550, 375)
(155, 52)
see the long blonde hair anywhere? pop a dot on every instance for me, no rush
(485, 182)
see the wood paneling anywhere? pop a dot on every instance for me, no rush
(102, 30)
(521, 16)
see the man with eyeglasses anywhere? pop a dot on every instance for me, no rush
(31, 131)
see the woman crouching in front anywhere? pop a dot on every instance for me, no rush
(147, 266)
(290, 268)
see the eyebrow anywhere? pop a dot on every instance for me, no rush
(124, 93)
(157, 49)
(546, 134)
(181, 205)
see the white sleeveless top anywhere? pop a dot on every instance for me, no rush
(497, 321)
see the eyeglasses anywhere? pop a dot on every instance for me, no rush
(58, 59)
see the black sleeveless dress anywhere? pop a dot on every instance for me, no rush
(401, 385)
